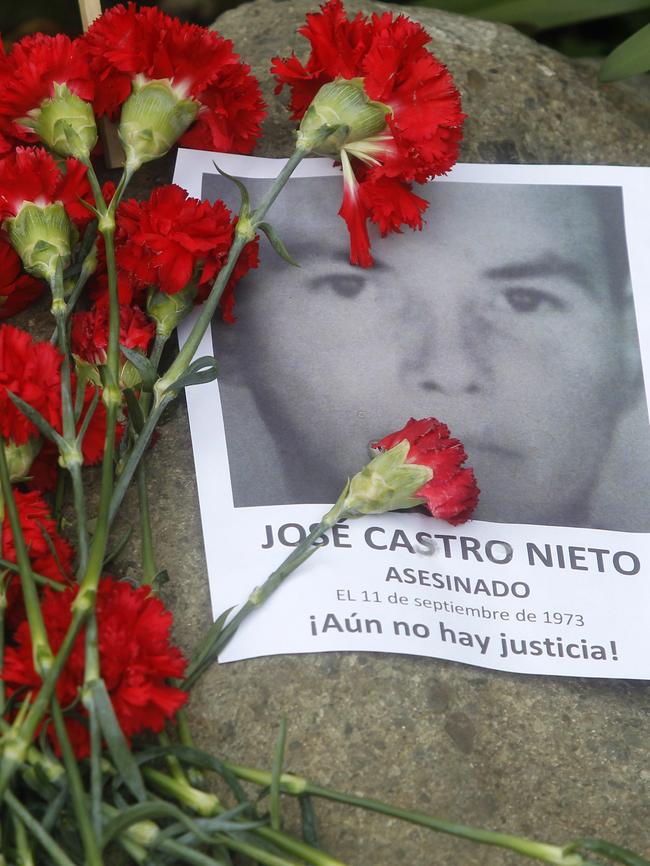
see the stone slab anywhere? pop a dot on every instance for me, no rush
(550, 758)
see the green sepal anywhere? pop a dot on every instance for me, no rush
(116, 741)
(65, 123)
(42, 236)
(277, 243)
(387, 483)
(153, 118)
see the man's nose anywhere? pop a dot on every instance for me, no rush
(449, 358)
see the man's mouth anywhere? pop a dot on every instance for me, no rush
(477, 445)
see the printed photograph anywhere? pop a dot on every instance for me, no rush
(510, 317)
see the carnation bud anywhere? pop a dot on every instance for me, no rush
(387, 483)
(42, 236)
(344, 105)
(20, 457)
(65, 123)
(168, 310)
(153, 118)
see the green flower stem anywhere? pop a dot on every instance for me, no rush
(39, 578)
(139, 448)
(59, 497)
(24, 856)
(208, 805)
(159, 343)
(70, 456)
(245, 232)
(92, 855)
(41, 652)
(295, 785)
(164, 389)
(175, 766)
(201, 802)
(55, 853)
(149, 570)
(112, 398)
(300, 554)
(92, 673)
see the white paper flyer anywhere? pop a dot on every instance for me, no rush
(520, 316)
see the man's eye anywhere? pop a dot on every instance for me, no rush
(524, 300)
(344, 284)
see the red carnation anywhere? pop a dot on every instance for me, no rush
(31, 174)
(198, 65)
(32, 371)
(49, 554)
(89, 334)
(407, 125)
(43, 70)
(451, 493)
(171, 241)
(135, 654)
(17, 289)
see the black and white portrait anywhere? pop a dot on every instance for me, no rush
(510, 317)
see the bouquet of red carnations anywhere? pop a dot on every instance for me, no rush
(89, 672)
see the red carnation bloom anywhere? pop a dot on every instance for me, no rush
(199, 64)
(49, 554)
(452, 493)
(35, 65)
(417, 124)
(171, 239)
(32, 371)
(7, 142)
(17, 289)
(31, 174)
(89, 335)
(135, 654)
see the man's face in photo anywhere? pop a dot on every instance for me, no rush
(505, 318)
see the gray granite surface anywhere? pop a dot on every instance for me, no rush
(550, 758)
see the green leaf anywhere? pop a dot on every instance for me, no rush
(204, 653)
(87, 418)
(143, 365)
(150, 811)
(544, 14)
(37, 420)
(276, 773)
(309, 822)
(607, 849)
(245, 208)
(629, 58)
(199, 372)
(195, 758)
(116, 741)
(134, 410)
(277, 244)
